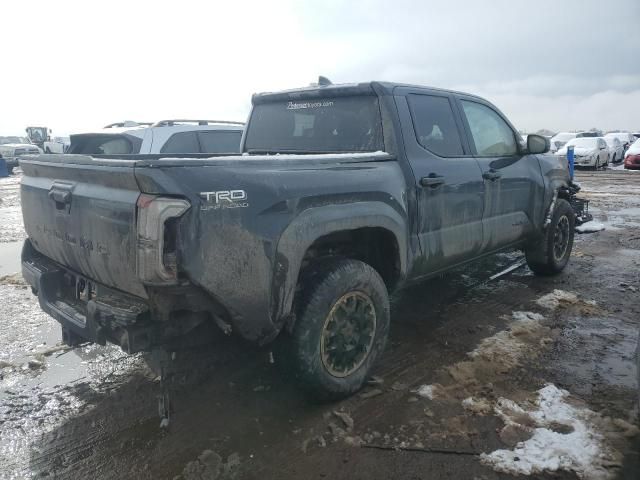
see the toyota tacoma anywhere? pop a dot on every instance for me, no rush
(341, 195)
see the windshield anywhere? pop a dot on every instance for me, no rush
(341, 124)
(584, 142)
(6, 140)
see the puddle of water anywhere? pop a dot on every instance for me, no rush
(10, 257)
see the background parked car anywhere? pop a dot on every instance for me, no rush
(166, 136)
(57, 145)
(560, 140)
(632, 157)
(626, 138)
(590, 133)
(588, 152)
(616, 150)
(12, 148)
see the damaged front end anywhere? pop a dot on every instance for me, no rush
(580, 205)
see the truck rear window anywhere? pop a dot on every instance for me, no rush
(326, 125)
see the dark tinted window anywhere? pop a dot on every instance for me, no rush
(219, 141)
(341, 124)
(104, 144)
(435, 125)
(491, 134)
(183, 142)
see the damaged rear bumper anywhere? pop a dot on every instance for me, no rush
(86, 310)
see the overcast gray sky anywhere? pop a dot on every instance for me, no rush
(78, 65)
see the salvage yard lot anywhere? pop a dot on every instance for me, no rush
(481, 379)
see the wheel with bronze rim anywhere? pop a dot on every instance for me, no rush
(341, 328)
(549, 253)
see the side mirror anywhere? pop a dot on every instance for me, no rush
(538, 144)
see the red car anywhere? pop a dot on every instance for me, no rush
(632, 156)
(632, 161)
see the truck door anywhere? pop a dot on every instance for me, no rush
(448, 182)
(512, 179)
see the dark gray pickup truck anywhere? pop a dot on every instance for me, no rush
(342, 194)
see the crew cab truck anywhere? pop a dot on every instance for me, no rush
(342, 194)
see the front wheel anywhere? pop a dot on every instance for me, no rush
(340, 331)
(550, 253)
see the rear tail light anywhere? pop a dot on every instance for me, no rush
(156, 255)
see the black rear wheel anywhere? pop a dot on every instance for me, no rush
(341, 328)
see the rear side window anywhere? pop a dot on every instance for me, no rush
(183, 142)
(220, 141)
(104, 145)
(434, 125)
(491, 134)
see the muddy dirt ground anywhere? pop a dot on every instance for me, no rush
(482, 379)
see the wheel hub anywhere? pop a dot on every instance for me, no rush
(348, 334)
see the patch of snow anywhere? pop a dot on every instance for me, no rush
(479, 406)
(527, 317)
(556, 298)
(525, 336)
(508, 346)
(590, 227)
(426, 391)
(580, 448)
(290, 156)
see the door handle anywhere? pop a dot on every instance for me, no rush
(491, 175)
(432, 181)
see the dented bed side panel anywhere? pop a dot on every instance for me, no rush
(243, 239)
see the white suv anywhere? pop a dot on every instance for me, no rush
(165, 136)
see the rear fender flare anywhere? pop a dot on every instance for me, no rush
(316, 222)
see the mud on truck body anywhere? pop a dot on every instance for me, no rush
(343, 193)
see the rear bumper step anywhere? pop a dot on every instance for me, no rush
(87, 310)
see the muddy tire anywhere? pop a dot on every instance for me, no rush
(550, 253)
(340, 331)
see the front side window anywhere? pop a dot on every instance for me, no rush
(490, 133)
(325, 125)
(434, 125)
(183, 142)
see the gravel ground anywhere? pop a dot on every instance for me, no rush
(482, 379)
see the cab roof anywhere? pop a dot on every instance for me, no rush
(344, 89)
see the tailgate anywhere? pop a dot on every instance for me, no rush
(81, 212)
